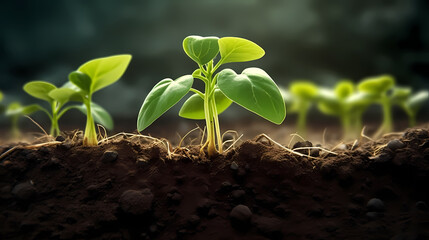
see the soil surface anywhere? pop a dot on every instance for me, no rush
(135, 188)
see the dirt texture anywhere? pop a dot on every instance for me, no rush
(135, 188)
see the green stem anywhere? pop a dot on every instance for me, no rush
(55, 130)
(412, 121)
(345, 123)
(90, 137)
(211, 149)
(216, 122)
(387, 114)
(302, 119)
(16, 133)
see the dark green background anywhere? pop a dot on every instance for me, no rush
(304, 39)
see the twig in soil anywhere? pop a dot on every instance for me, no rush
(355, 144)
(38, 125)
(290, 150)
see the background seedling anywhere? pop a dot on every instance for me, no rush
(14, 111)
(304, 94)
(253, 89)
(410, 103)
(92, 76)
(378, 87)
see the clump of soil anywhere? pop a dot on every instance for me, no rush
(131, 188)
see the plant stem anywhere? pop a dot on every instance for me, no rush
(217, 126)
(412, 120)
(302, 119)
(90, 137)
(387, 114)
(55, 130)
(211, 148)
(345, 122)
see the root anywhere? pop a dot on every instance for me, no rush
(38, 125)
(99, 126)
(29, 147)
(293, 136)
(233, 144)
(183, 138)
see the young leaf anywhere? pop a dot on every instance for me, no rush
(400, 94)
(417, 100)
(17, 109)
(162, 97)
(304, 89)
(100, 115)
(105, 71)
(234, 49)
(254, 90)
(376, 85)
(193, 108)
(63, 95)
(329, 103)
(81, 80)
(344, 89)
(39, 89)
(201, 49)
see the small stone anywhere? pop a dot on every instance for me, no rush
(174, 197)
(226, 186)
(303, 144)
(373, 215)
(270, 227)
(212, 213)
(24, 191)
(395, 144)
(422, 206)
(203, 207)
(109, 156)
(240, 216)
(375, 205)
(238, 195)
(383, 157)
(60, 138)
(136, 202)
(234, 166)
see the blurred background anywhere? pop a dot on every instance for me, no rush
(323, 41)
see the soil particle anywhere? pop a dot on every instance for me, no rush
(109, 156)
(269, 226)
(234, 166)
(136, 202)
(395, 144)
(60, 138)
(240, 217)
(375, 205)
(24, 191)
(303, 144)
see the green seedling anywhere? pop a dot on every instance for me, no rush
(57, 99)
(410, 103)
(253, 89)
(334, 102)
(304, 94)
(358, 103)
(90, 77)
(14, 111)
(378, 88)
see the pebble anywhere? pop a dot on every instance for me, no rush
(383, 157)
(234, 166)
(24, 191)
(373, 215)
(375, 205)
(269, 226)
(136, 202)
(395, 144)
(240, 216)
(238, 195)
(109, 156)
(203, 207)
(421, 206)
(302, 145)
(60, 138)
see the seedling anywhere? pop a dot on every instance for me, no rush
(14, 111)
(358, 103)
(92, 76)
(410, 103)
(378, 87)
(253, 89)
(334, 102)
(304, 94)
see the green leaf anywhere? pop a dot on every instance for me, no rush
(81, 80)
(344, 89)
(329, 103)
(162, 97)
(193, 108)
(417, 100)
(16, 108)
(360, 100)
(400, 95)
(201, 49)
(1, 96)
(254, 90)
(105, 71)
(234, 49)
(63, 95)
(39, 89)
(99, 114)
(376, 85)
(304, 90)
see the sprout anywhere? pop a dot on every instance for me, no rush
(253, 89)
(377, 88)
(410, 103)
(14, 111)
(304, 94)
(92, 76)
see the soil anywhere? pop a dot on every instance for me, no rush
(135, 188)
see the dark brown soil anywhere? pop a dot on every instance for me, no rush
(129, 188)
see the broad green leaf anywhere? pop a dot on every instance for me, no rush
(304, 89)
(254, 90)
(162, 97)
(193, 108)
(39, 89)
(329, 103)
(63, 95)
(99, 114)
(417, 100)
(234, 49)
(16, 108)
(400, 94)
(1, 96)
(360, 100)
(105, 71)
(81, 80)
(344, 89)
(201, 49)
(376, 85)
